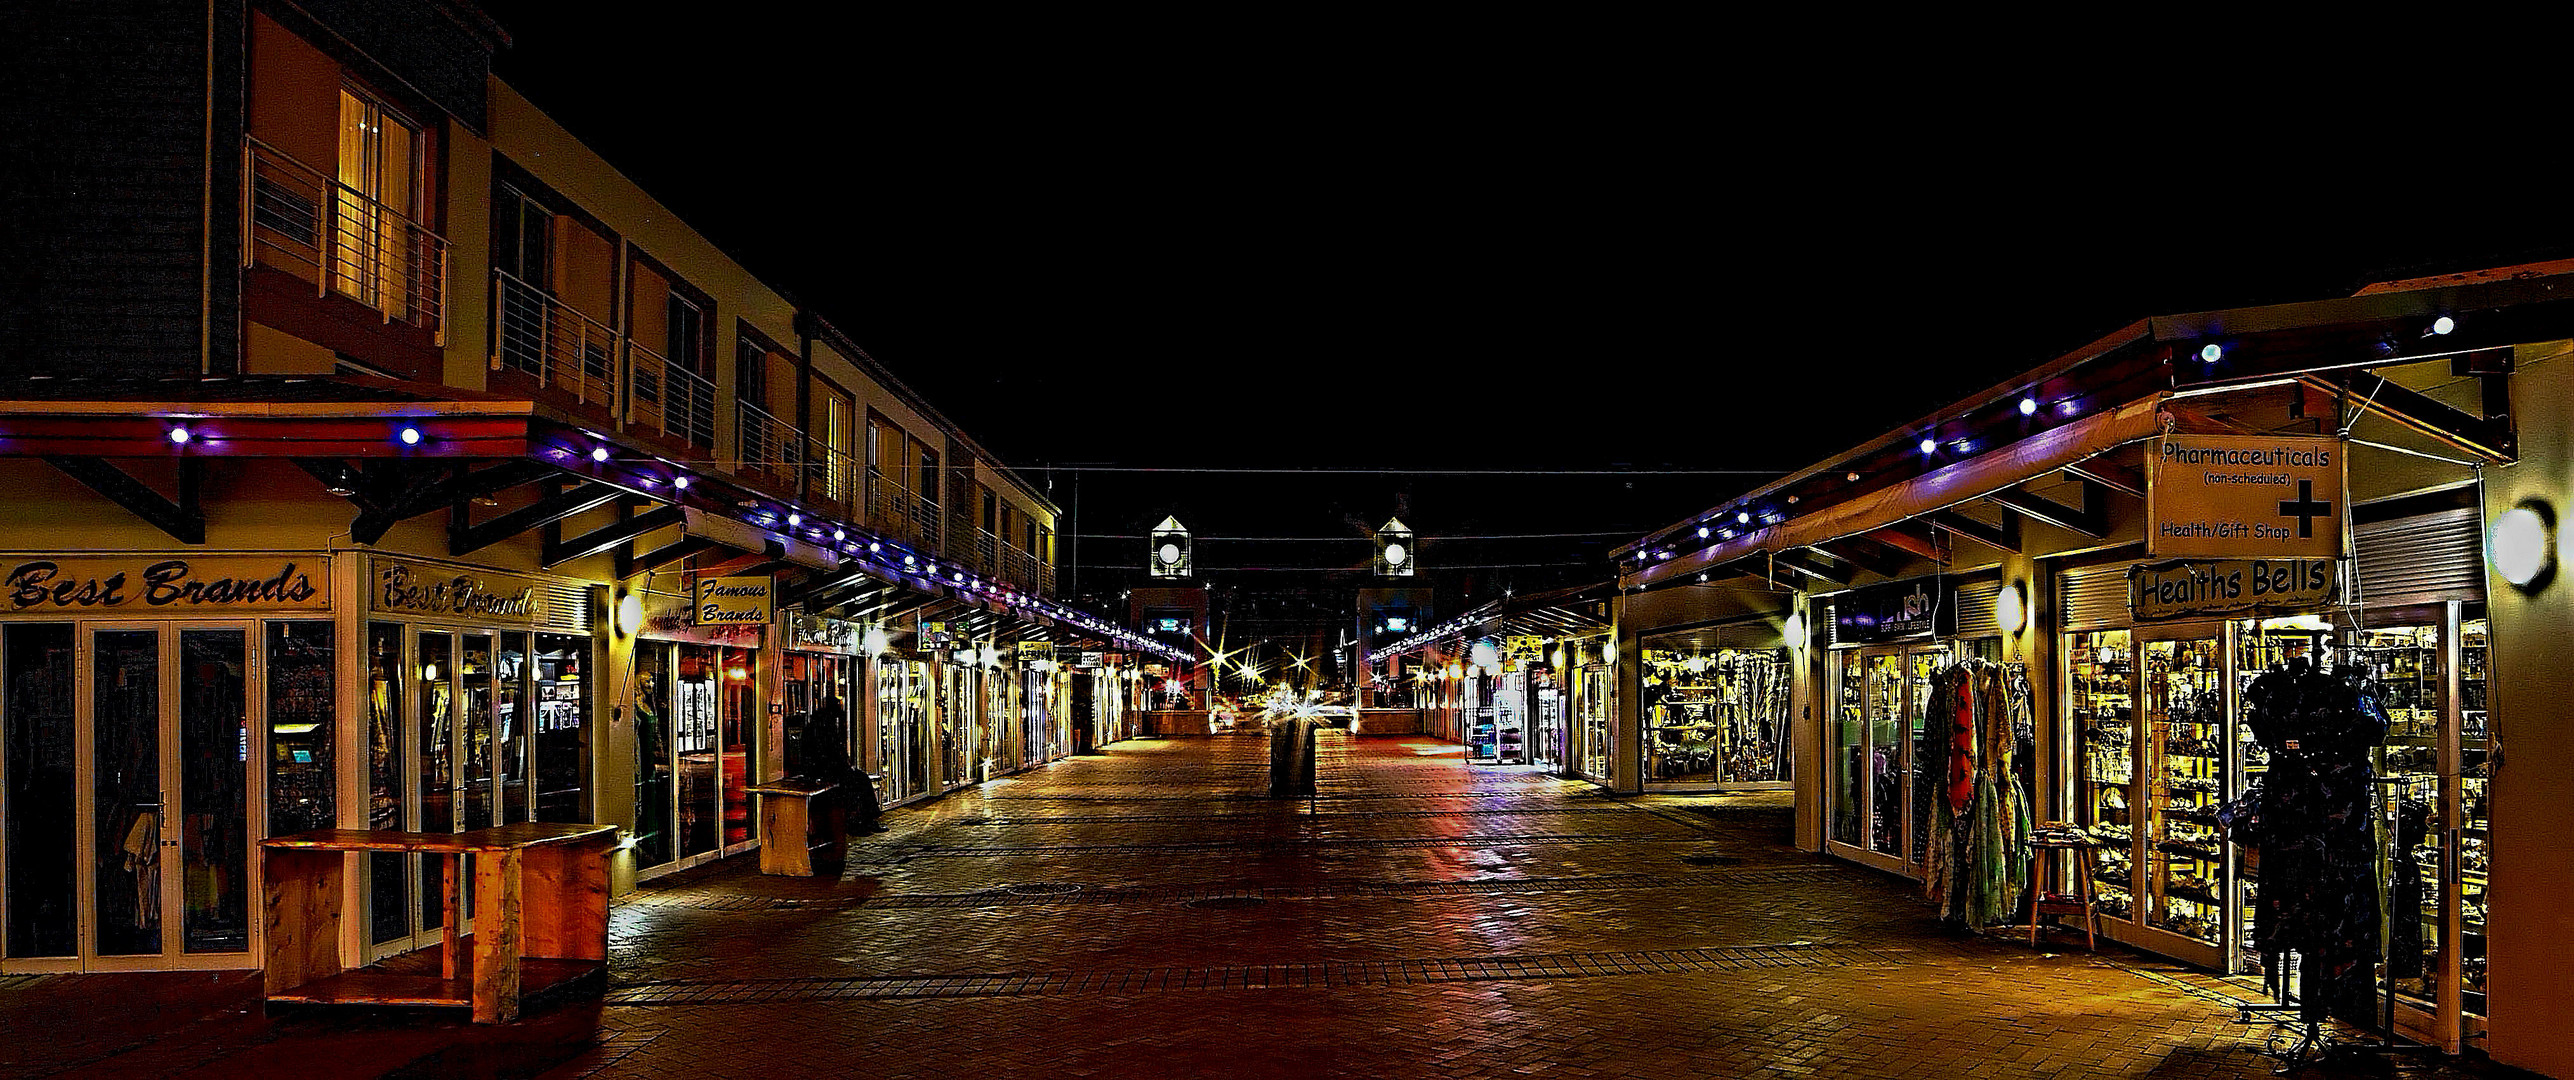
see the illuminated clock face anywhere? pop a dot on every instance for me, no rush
(1170, 554)
(1394, 554)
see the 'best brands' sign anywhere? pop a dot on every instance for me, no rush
(482, 596)
(146, 583)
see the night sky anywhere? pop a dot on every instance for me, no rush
(1504, 247)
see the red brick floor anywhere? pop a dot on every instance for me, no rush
(1144, 913)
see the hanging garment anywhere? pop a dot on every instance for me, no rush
(2319, 894)
(142, 848)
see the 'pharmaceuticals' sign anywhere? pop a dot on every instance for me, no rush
(2244, 496)
(2182, 588)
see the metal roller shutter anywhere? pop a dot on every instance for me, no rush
(563, 607)
(1976, 604)
(2438, 556)
(2092, 597)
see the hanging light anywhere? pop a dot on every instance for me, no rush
(599, 453)
(2028, 406)
(180, 434)
(680, 482)
(409, 435)
(1929, 445)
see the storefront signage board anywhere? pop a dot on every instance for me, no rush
(1036, 650)
(1894, 611)
(2191, 588)
(2244, 496)
(822, 633)
(196, 584)
(483, 597)
(673, 617)
(736, 601)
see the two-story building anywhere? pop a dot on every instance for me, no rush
(379, 456)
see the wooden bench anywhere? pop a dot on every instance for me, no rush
(540, 916)
(786, 810)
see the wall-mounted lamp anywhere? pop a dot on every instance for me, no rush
(2522, 545)
(874, 641)
(2011, 609)
(1794, 631)
(630, 614)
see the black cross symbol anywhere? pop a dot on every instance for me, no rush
(2304, 508)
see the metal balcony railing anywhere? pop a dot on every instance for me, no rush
(299, 219)
(835, 473)
(925, 520)
(548, 340)
(769, 446)
(664, 396)
(1018, 567)
(987, 549)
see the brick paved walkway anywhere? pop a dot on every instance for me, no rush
(1144, 913)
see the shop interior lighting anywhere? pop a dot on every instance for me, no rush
(179, 434)
(2028, 406)
(409, 435)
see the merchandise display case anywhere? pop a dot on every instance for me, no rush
(2474, 805)
(2101, 696)
(2185, 750)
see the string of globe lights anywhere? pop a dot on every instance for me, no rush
(667, 481)
(1455, 627)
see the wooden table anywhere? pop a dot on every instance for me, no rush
(540, 916)
(786, 824)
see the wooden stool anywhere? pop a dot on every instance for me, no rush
(2078, 902)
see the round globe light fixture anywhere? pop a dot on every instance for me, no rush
(1394, 554)
(2212, 352)
(2522, 544)
(2010, 610)
(1170, 554)
(2443, 325)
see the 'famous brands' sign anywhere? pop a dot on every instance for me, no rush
(446, 592)
(735, 601)
(135, 582)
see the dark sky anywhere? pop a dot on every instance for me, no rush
(1525, 247)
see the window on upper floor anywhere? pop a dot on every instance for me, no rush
(685, 335)
(522, 239)
(928, 487)
(875, 433)
(751, 372)
(991, 512)
(377, 254)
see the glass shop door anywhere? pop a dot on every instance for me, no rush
(1881, 810)
(151, 867)
(2186, 746)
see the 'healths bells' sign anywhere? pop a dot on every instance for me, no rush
(2198, 587)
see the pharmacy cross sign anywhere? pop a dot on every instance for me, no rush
(2244, 496)
(2304, 508)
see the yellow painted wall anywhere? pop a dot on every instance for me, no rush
(2531, 928)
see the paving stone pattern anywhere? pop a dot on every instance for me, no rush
(1146, 912)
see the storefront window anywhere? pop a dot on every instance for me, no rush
(742, 716)
(2185, 749)
(956, 723)
(512, 722)
(214, 754)
(2101, 697)
(302, 699)
(1593, 693)
(693, 735)
(2475, 773)
(387, 874)
(562, 734)
(437, 763)
(475, 697)
(656, 773)
(890, 748)
(1715, 715)
(37, 682)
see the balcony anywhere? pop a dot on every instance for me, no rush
(300, 220)
(834, 474)
(665, 398)
(1018, 567)
(770, 447)
(545, 339)
(987, 548)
